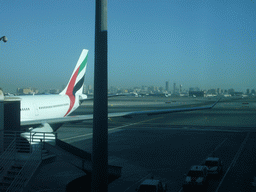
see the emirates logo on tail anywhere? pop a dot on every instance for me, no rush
(75, 85)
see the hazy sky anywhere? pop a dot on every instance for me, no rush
(208, 44)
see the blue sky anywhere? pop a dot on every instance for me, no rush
(205, 44)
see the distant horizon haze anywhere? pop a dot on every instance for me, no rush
(41, 90)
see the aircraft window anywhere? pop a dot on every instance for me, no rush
(24, 109)
(46, 107)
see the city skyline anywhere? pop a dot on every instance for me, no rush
(148, 89)
(193, 43)
(163, 85)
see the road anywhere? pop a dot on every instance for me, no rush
(165, 146)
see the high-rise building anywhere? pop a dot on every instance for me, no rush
(167, 86)
(231, 91)
(180, 88)
(26, 91)
(174, 87)
(219, 90)
(84, 88)
(212, 91)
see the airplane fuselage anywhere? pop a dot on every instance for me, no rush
(37, 107)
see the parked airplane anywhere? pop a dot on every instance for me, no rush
(46, 113)
(39, 107)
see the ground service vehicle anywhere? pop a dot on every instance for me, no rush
(214, 165)
(197, 178)
(152, 185)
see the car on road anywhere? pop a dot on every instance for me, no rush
(197, 178)
(152, 185)
(214, 165)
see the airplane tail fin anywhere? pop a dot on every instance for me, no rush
(76, 82)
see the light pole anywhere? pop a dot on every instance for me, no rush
(100, 106)
(4, 39)
(1, 121)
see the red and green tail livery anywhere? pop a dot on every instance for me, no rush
(75, 84)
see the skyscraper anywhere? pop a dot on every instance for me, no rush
(167, 86)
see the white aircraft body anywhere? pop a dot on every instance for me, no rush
(46, 113)
(39, 107)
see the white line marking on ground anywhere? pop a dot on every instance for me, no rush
(137, 182)
(234, 160)
(194, 129)
(181, 189)
(240, 149)
(110, 130)
(218, 146)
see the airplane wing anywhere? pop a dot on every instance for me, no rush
(87, 98)
(80, 118)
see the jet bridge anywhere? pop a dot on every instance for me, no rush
(22, 154)
(19, 161)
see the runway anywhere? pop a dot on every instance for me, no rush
(165, 146)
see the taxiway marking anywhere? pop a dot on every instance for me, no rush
(110, 130)
(234, 160)
(137, 182)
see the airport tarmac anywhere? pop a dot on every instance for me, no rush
(165, 146)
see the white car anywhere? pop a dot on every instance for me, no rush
(152, 185)
(197, 178)
(214, 165)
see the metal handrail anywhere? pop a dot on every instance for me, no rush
(27, 170)
(20, 144)
(32, 134)
(45, 135)
(8, 157)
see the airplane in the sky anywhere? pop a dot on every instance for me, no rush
(46, 113)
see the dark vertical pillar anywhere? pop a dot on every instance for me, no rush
(11, 120)
(1, 121)
(100, 107)
(12, 115)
